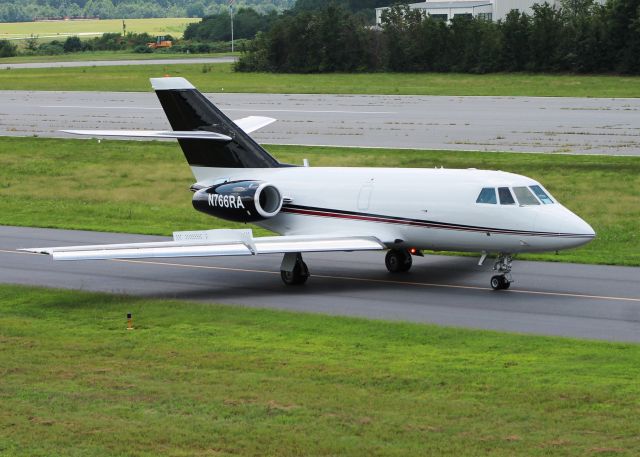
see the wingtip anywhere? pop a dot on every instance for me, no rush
(43, 251)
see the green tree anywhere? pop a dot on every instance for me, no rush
(586, 44)
(31, 43)
(400, 26)
(577, 8)
(546, 39)
(196, 9)
(365, 8)
(474, 45)
(623, 34)
(103, 9)
(340, 41)
(432, 44)
(246, 23)
(7, 49)
(328, 40)
(72, 44)
(515, 31)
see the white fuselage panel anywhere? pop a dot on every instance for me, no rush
(422, 208)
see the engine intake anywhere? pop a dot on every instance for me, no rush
(239, 201)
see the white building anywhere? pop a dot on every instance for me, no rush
(488, 9)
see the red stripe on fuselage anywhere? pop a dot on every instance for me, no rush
(414, 223)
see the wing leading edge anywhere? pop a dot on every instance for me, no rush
(213, 243)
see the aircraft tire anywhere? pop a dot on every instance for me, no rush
(398, 260)
(297, 277)
(499, 282)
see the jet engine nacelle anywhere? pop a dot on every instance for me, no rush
(239, 201)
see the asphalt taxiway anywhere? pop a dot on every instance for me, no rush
(523, 124)
(584, 301)
(114, 63)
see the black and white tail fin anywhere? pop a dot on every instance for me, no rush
(190, 111)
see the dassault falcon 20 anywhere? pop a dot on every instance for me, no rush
(403, 211)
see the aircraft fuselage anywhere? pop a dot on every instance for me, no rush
(433, 208)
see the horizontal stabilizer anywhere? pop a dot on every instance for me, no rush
(253, 123)
(191, 134)
(213, 243)
(248, 124)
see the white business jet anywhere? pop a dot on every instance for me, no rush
(318, 209)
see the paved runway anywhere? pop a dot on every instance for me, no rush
(113, 63)
(559, 125)
(583, 301)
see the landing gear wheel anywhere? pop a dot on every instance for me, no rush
(503, 266)
(398, 260)
(297, 276)
(499, 282)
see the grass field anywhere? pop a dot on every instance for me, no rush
(53, 29)
(196, 379)
(142, 187)
(218, 77)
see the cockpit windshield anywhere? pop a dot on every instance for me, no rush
(505, 196)
(524, 196)
(487, 195)
(542, 195)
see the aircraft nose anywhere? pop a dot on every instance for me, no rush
(570, 229)
(582, 227)
(580, 231)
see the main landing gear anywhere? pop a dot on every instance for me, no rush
(293, 270)
(502, 265)
(398, 260)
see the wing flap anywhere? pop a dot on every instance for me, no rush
(284, 244)
(213, 243)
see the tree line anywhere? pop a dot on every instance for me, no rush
(582, 36)
(132, 42)
(247, 22)
(28, 10)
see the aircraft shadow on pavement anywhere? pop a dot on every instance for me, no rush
(230, 285)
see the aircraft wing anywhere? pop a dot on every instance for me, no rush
(248, 124)
(213, 243)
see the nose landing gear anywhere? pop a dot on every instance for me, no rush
(502, 265)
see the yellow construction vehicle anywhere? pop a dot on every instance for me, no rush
(161, 42)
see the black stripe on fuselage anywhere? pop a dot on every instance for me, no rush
(368, 217)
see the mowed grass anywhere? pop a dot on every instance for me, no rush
(198, 379)
(50, 29)
(220, 77)
(142, 187)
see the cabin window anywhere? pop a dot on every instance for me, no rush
(542, 195)
(487, 195)
(524, 196)
(505, 196)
